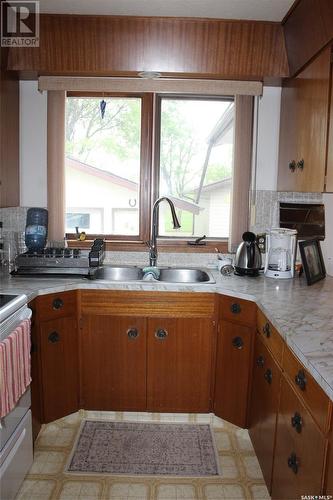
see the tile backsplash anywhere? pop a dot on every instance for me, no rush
(265, 207)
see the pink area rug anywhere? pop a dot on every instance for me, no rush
(145, 449)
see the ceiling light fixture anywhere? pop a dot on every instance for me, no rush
(149, 75)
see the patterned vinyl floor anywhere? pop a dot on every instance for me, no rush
(241, 475)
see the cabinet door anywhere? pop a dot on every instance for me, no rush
(179, 364)
(329, 172)
(299, 451)
(113, 363)
(59, 360)
(233, 364)
(329, 468)
(303, 127)
(264, 407)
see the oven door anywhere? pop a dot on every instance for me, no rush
(16, 458)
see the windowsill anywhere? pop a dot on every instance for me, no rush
(168, 246)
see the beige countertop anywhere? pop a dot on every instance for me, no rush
(302, 314)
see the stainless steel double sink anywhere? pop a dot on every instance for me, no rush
(166, 275)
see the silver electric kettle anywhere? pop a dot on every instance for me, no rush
(248, 256)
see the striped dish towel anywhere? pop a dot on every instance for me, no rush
(15, 367)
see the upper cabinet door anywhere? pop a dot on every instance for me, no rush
(303, 127)
(329, 172)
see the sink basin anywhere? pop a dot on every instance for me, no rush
(179, 275)
(167, 275)
(121, 273)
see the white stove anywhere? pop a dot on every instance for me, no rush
(16, 451)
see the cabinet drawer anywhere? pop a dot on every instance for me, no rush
(307, 388)
(300, 449)
(56, 305)
(237, 310)
(270, 336)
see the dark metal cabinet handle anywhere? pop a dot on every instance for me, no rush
(57, 303)
(293, 463)
(161, 334)
(132, 333)
(292, 166)
(300, 164)
(297, 422)
(300, 380)
(238, 342)
(235, 308)
(268, 376)
(54, 337)
(266, 329)
(260, 361)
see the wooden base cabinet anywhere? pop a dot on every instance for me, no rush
(232, 374)
(329, 468)
(55, 365)
(179, 364)
(158, 358)
(113, 363)
(264, 407)
(59, 355)
(299, 451)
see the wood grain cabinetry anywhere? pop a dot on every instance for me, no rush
(300, 449)
(59, 354)
(307, 389)
(329, 169)
(9, 136)
(328, 489)
(179, 364)
(233, 362)
(235, 338)
(270, 336)
(113, 361)
(159, 359)
(264, 407)
(303, 127)
(55, 365)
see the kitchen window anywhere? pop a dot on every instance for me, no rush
(122, 152)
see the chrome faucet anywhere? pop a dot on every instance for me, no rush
(154, 228)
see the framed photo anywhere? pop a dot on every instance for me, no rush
(312, 260)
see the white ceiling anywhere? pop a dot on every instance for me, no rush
(263, 10)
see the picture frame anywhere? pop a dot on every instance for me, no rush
(312, 260)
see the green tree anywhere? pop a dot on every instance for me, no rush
(118, 132)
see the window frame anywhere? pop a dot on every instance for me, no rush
(149, 179)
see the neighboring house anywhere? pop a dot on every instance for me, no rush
(110, 201)
(103, 202)
(215, 203)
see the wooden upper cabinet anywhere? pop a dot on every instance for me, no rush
(9, 139)
(329, 171)
(303, 127)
